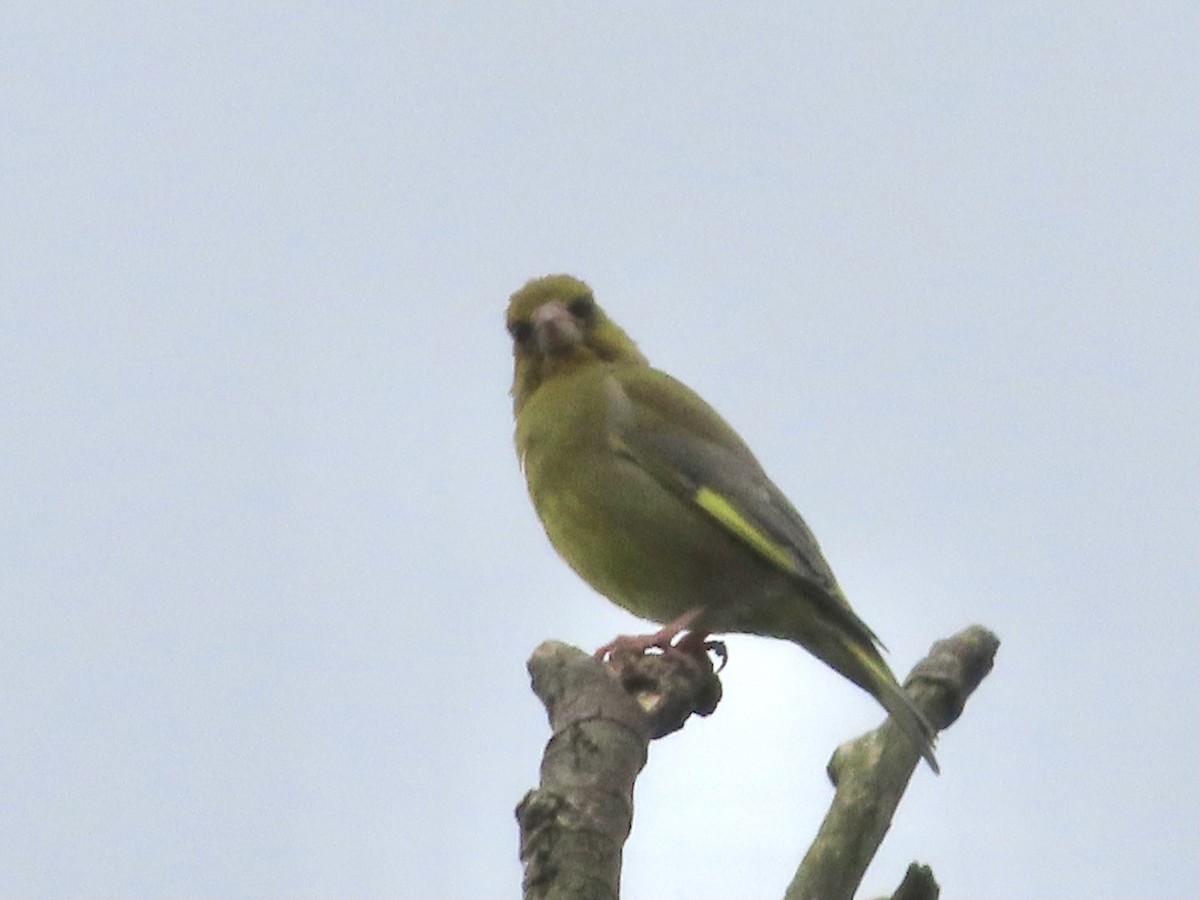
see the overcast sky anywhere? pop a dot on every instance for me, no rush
(268, 573)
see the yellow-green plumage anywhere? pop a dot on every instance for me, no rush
(659, 505)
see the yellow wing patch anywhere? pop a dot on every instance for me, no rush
(871, 662)
(729, 516)
(713, 503)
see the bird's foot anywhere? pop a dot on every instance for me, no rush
(693, 643)
(697, 643)
(638, 644)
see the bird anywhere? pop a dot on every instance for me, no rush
(658, 504)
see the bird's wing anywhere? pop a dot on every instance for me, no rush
(677, 438)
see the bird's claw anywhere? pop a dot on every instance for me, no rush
(692, 643)
(634, 644)
(722, 652)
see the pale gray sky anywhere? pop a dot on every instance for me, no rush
(268, 576)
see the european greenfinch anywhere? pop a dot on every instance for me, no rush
(659, 505)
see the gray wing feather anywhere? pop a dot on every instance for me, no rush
(739, 478)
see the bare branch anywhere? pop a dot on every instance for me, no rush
(604, 715)
(918, 884)
(602, 719)
(872, 771)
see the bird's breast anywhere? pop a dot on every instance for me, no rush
(636, 541)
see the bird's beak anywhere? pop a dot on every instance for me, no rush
(556, 330)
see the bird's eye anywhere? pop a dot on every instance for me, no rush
(582, 308)
(520, 331)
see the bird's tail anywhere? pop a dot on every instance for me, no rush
(865, 667)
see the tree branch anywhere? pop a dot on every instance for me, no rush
(603, 717)
(918, 884)
(872, 771)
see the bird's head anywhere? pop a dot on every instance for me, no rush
(556, 327)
